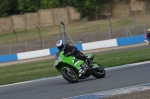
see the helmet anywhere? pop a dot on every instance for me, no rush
(60, 45)
(148, 30)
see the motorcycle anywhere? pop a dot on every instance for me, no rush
(73, 69)
(147, 40)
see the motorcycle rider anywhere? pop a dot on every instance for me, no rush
(72, 50)
(148, 35)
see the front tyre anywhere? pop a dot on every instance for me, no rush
(98, 72)
(70, 74)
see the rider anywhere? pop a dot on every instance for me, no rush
(148, 35)
(72, 50)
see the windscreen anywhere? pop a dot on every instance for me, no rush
(56, 56)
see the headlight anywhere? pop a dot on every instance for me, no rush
(57, 61)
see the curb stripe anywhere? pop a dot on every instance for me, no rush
(113, 92)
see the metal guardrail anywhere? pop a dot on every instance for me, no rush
(82, 32)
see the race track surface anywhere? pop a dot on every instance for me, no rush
(59, 88)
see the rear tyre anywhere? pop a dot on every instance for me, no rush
(70, 74)
(98, 72)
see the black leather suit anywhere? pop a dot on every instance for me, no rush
(74, 51)
(148, 36)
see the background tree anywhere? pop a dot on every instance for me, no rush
(46, 4)
(25, 6)
(8, 7)
(86, 8)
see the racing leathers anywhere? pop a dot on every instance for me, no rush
(72, 50)
(148, 37)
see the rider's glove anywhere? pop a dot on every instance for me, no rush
(68, 54)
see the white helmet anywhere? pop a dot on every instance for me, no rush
(60, 45)
(148, 30)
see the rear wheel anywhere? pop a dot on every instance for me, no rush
(98, 72)
(70, 74)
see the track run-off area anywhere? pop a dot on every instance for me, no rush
(119, 79)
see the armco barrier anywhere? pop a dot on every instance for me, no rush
(53, 50)
(130, 40)
(81, 47)
(8, 58)
(33, 54)
(99, 44)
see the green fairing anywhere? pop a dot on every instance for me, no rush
(69, 60)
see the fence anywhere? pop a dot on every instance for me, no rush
(51, 17)
(42, 18)
(80, 32)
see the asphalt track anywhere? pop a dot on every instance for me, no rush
(58, 88)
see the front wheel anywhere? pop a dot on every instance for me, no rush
(98, 72)
(70, 74)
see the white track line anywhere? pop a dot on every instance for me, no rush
(113, 92)
(110, 68)
(31, 81)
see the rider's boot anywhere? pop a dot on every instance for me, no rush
(91, 65)
(149, 41)
(89, 62)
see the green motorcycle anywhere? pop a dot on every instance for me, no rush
(73, 69)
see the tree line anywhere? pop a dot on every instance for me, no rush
(16, 7)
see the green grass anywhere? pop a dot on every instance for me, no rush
(114, 59)
(27, 71)
(124, 22)
(30, 34)
(45, 68)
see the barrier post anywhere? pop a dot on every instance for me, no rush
(134, 21)
(16, 40)
(40, 37)
(86, 27)
(110, 27)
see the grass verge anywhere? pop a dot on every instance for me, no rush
(45, 68)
